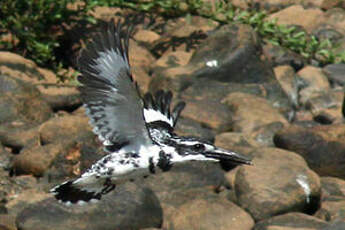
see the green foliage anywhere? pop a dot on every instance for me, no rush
(37, 25)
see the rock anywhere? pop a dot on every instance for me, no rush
(7, 222)
(5, 158)
(278, 55)
(184, 27)
(210, 213)
(64, 128)
(279, 182)
(140, 60)
(128, 205)
(250, 112)
(62, 97)
(263, 135)
(188, 127)
(221, 56)
(184, 182)
(335, 73)
(105, 13)
(313, 143)
(336, 18)
(329, 32)
(286, 77)
(146, 36)
(16, 66)
(173, 59)
(20, 101)
(332, 209)
(294, 220)
(275, 5)
(328, 105)
(337, 225)
(309, 19)
(332, 186)
(17, 135)
(329, 4)
(37, 159)
(315, 80)
(235, 141)
(209, 113)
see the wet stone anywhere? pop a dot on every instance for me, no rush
(279, 182)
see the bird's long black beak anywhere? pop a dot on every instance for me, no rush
(225, 155)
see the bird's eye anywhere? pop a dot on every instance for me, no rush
(198, 147)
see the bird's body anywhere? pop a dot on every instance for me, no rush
(137, 132)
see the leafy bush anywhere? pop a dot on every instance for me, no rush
(37, 25)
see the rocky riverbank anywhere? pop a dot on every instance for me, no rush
(242, 93)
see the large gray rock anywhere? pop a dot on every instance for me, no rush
(128, 207)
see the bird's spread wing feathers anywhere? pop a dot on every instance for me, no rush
(157, 108)
(109, 93)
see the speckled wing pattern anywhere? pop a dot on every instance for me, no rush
(109, 93)
(157, 108)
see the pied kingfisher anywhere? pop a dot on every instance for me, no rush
(137, 132)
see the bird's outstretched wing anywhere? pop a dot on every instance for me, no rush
(109, 93)
(157, 108)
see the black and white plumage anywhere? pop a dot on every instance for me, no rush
(137, 132)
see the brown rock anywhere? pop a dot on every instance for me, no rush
(333, 186)
(174, 59)
(36, 160)
(139, 56)
(24, 69)
(336, 18)
(20, 101)
(211, 213)
(278, 182)
(332, 209)
(7, 222)
(105, 13)
(184, 27)
(326, 107)
(250, 112)
(316, 82)
(231, 140)
(292, 221)
(328, 4)
(146, 36)
(309, 19)
(19, 136)
(287, 228)
(24, 199)
(280, 56)
(141, 60)
(275, 5)
(209, 113)
(321, 146)
(286, 77)
(66, 128)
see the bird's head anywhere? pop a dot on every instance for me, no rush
(190, 148)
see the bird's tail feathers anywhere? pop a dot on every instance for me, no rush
(82, 190)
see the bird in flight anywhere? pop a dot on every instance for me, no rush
(137, 132)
